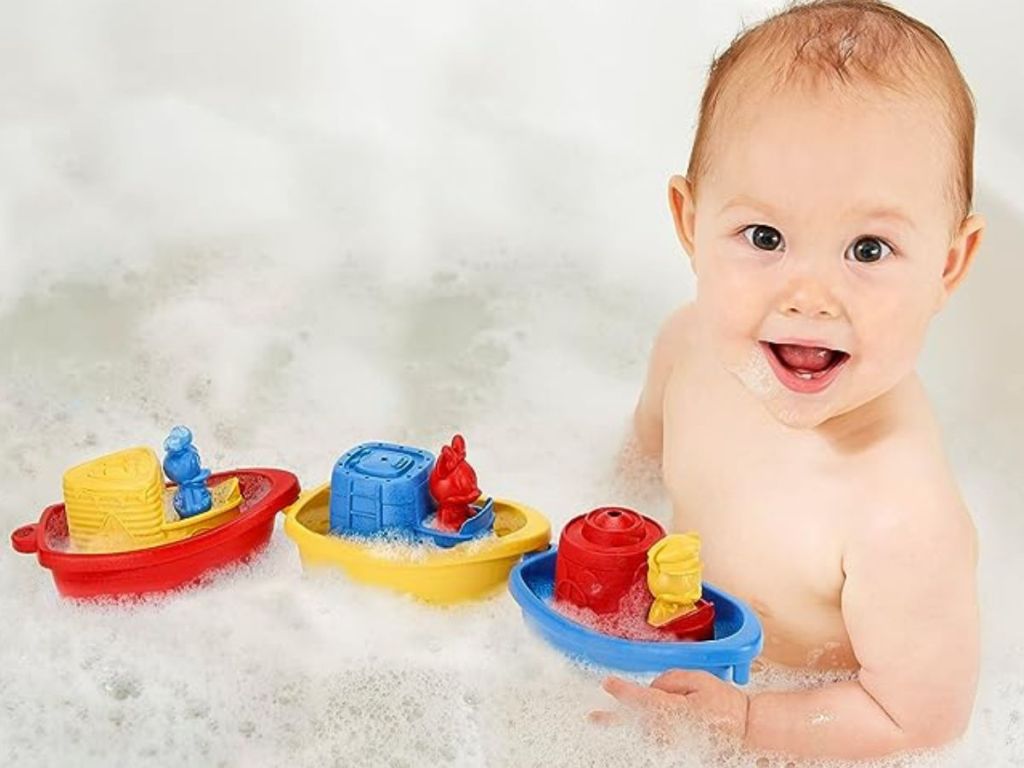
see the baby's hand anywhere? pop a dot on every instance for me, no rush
(679, 694)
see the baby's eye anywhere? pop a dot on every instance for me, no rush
(869, 249)
(762, 236)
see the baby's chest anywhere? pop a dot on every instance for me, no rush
(770, 516)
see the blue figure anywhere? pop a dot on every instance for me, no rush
(181, 465)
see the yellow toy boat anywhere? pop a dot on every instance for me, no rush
(464, 572)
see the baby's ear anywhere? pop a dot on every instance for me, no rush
(682, 202)
(962, 251)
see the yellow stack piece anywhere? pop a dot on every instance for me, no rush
(674, 577)
(118, 502)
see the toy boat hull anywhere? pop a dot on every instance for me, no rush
(738, 638)
(465, 572)
(265, 492)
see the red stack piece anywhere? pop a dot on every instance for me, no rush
(601, 555)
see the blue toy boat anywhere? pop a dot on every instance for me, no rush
(738, 638)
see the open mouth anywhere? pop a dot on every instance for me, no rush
(802, 368)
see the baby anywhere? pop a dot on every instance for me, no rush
(826, 214)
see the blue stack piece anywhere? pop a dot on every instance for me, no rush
(380, 486)
(377, 487)
(738, 637)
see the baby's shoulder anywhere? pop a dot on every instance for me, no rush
(677, 332)
(909, 493)
(675, 346)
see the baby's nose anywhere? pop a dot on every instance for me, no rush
(809, 296)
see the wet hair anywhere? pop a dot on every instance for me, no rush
(843, 46)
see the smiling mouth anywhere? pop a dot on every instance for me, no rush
(804, 369)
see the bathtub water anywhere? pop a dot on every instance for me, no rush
(303, 226)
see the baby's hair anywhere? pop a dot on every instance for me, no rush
(837, 44)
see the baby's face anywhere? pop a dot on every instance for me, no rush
(822, 224)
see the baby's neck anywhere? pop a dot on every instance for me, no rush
(859, 429)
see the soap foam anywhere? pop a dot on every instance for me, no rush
(629, 621)
(756, 374)
(401, 546)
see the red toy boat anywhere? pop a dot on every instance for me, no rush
(264, 492)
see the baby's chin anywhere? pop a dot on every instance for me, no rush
(788, 408)
(798, 418)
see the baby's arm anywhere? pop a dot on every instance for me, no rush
(910, 608)
(911, 612)
(668, 345)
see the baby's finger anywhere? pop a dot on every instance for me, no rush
(625, 691)
(605, 718)
(635, 695)
(682, 681)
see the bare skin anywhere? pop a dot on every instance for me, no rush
(834, 514)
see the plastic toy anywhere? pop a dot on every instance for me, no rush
(453, 486)
(382, 490)
(601, 559)
(602, 554)
(118, 531)
(382, 487)
(181, 465)
(673, 577)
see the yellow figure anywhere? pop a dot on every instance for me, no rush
(674, 577)
(118, 502)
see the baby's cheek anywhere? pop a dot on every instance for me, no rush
(898, 329)
(732, 304)
(888, 353)
(732, 309)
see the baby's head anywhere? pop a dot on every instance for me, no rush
(828, 202)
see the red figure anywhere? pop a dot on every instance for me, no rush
(453, 486)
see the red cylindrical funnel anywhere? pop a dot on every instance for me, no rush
(601, 555)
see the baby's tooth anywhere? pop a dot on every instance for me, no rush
(804, 375)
